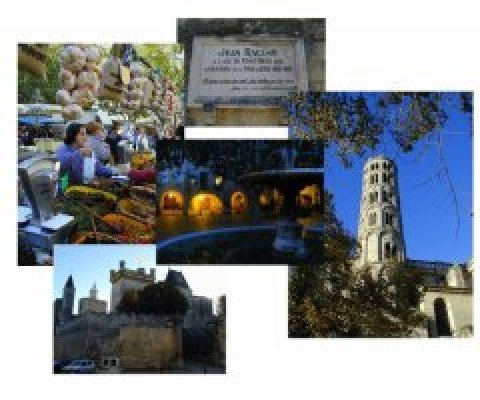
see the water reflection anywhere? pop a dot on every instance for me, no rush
(177, 224)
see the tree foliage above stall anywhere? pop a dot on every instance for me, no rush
(168, 58)
(27, 84)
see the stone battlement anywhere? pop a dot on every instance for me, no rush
(113, 322)
(131, 274)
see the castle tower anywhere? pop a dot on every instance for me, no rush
(92, 304)
(126, 279)
(94, 292)
(380, 232)
(177, 280)
(68, 299)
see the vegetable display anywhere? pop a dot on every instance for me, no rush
(107, 211)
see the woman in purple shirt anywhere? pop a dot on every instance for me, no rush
(71, 155)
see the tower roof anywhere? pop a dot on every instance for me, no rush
(69, 281)
(378, 157)
(176, 278)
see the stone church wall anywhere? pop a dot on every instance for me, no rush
(459, 307)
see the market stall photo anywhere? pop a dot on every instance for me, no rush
(89, 118)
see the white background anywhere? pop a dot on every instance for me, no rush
(370, 45)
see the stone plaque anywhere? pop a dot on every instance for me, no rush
(258, 70)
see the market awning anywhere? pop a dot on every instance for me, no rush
(40, 120)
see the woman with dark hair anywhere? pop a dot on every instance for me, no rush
(71, 155)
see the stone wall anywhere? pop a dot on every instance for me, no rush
(140, 341)
(220, 347)
(142, 347)
(88, 304)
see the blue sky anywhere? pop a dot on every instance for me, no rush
(90, 264)
(429, 216)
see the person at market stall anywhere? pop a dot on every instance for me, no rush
(139, 139)
(25, 136)
(96, 141)
(114, 136)
(48, 132)
(160, 132)
(71, 157)
(152, 137)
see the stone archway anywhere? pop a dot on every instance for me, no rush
(238, 202)
(442, 320)
(171, 202)
(309, 197)
(205, 204)
(270, 200)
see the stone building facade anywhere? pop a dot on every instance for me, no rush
(92, 303)
(447, 298)
(200, 308)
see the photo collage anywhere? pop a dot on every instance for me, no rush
(140, 223)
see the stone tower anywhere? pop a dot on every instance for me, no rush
(126, 279)
(68, 299)
(380, 232)
(94, 292)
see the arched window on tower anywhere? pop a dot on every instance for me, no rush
(441, 317)
(372, 219)
(372, 179)
(387, 250)
(388, 219)
(384, 178)
(384, 196)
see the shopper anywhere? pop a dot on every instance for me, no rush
(25, 136)
(71, 156)
(140, 140)
(96, 141)
(114, 136)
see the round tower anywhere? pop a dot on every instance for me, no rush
(380, 232)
